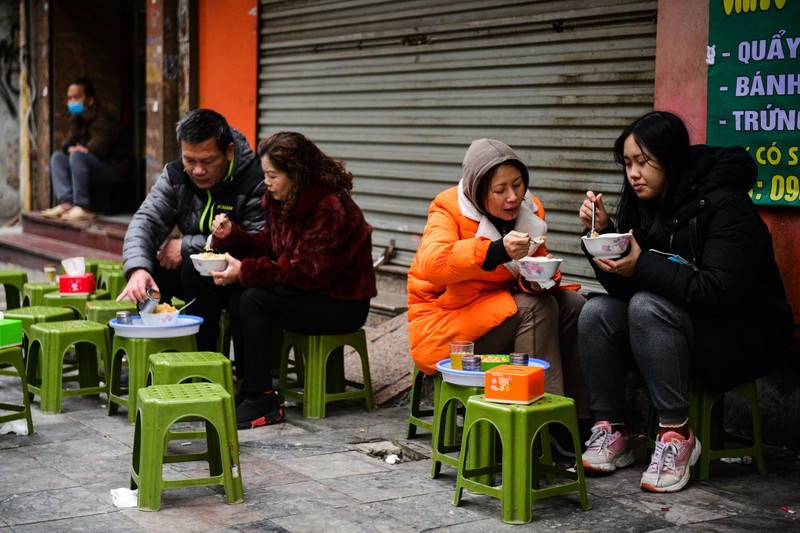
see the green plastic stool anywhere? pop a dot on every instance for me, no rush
(444, 437)
(417, 415)
(706, 420)
(104, 311)
(179, 367)
(13, 357)
(76, 302)
(93, 264)
(315, 386)
(33, 293)
(48, 342)
(137, 352)
(13, 282)
(37, 314)
(160, 406)
(111, 278)
(517, 426)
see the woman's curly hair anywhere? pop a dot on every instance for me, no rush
(303, 162)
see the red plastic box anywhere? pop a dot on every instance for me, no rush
(514, 384)
(83, 284)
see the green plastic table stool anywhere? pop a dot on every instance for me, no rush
(111, 278)
(138, 351)
(706, 409)
(35, 315)
(179, 367)
(418, 417)
(48, 342)
(93, 264)
(160, 406)
(76, 302)
(314, 388)
(104, 310)
(33, 293)
(444, 437)
(517, 426)
(13, 282)
(13, 357)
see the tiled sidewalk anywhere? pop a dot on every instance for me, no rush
(317, 475)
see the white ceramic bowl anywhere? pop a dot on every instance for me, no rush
(159, 319)
(538, 268)
(607, 245)
(205, 265)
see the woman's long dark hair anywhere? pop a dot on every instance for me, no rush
(660, 135)
(303, 162)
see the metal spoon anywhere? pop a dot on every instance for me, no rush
(186, 305)
(210, 235)
(592, 234)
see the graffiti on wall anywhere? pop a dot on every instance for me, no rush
(9, 69)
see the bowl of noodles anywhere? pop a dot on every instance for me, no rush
(607, 245)
(162, 315)
(205, 262)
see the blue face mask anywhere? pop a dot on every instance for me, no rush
(75, 108)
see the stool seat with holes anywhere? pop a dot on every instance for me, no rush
(138, 351)
(12, 356)
(48, 342)
(319, 359)
(159, 407)
(518, 426)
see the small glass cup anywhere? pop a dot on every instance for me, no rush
(458, 349)
(50, 274)
(471, 363)
(518, 358)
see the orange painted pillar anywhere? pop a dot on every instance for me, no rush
(228, 62)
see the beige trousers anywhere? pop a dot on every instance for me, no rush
(545, 326)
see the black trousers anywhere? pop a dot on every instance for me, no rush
(185, 283)
(255, 311)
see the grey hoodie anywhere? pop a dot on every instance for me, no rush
(481, 156)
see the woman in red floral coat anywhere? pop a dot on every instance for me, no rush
(309, 271)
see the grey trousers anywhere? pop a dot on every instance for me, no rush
(648, 333)
(545, 326)
(72, 175)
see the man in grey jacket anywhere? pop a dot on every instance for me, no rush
(217, 173)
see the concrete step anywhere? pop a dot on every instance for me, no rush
(33, 251)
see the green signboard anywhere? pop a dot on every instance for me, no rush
(754, 90)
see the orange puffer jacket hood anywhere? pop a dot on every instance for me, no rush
(450, 297)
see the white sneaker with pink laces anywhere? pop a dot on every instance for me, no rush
(606, 450)
(672, 459)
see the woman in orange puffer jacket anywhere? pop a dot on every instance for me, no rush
(465, 283)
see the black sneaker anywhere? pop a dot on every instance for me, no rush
(257, 411)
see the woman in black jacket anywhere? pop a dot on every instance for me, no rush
(698, 292)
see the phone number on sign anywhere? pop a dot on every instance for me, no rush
(782, 189)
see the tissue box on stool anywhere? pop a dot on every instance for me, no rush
(82, 284)
(514, 384)
(10, 332)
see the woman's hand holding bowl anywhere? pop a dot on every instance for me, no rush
(230, 274)
(623, 266)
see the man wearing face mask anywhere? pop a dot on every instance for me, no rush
(94, 151)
